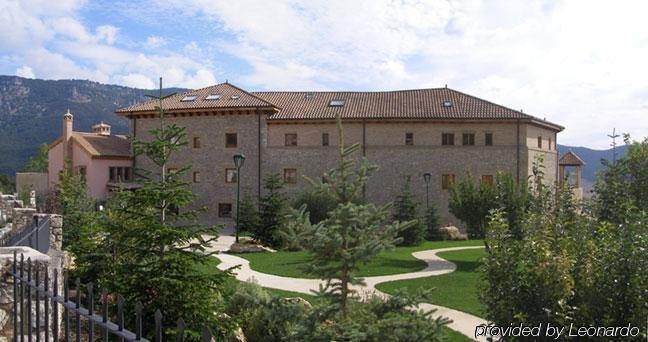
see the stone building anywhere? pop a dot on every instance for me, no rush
(441, 131)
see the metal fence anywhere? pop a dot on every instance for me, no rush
(37, 309)
(36, 235)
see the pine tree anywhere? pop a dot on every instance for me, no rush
(432, 224)
(157, 244)
(272, 210)
(353, 233)
(249, 220)
(405, 209)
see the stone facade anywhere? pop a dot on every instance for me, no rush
(513, 150)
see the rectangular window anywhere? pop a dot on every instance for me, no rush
(325, 139)
(409, 139)
(447, 181)
(488, 139)
(468, 139)
(81, 171)
(120, 174)
(224, 209)
(196, 142)
(196, 177)
(290, 139)
(230, 175)
(290, 176)
(231, 139)
(549, 144)
(487, 179)
(447, 139)
(539, 142)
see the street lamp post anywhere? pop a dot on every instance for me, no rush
(426, 178)
(239, 159)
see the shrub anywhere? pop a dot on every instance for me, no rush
(570, 267)
(262, 316)
(317, 204)
(471, 204)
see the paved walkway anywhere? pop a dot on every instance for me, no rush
(461, 321)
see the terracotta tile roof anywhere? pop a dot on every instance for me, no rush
(103, 145)
(230, 97)
(379, 105)
(403, 104)
(570, 159)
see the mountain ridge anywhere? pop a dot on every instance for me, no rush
(31, 109)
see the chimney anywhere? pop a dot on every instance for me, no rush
(68, 119)
(101, 128)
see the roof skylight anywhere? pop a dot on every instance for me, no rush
(213, 97)
(336, 103)
(189, 98)
(235, 97)
(447, 103)
(308, 96)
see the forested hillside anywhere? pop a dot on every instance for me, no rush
(31, 109)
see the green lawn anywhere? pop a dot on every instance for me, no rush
(210, 266)
(399, 260)
(457, 290)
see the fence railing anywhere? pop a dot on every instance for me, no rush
(36, 235)
(33, 291)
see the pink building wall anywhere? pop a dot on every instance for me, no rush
(97, 170)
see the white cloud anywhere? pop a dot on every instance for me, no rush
(107, 33)
(154, 42)
(55, 43)
(579, 63)
(25, 72)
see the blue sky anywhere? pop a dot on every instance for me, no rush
(580, 63)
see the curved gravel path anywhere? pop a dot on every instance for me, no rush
(461, 321)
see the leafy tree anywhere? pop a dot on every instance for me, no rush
(7, 185)
(623, 183)
(570, 267)
(432, 224)
(249, 220)
(471, 204)
(158, 250)
(272, 209)
(513, 199)
(405, 210)
(317, 204)
(38, 162)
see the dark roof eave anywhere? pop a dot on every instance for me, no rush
(414, 118)
(127, 113)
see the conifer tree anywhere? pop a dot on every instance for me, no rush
(249, 220)
(353, 233)
(405, 209)
(157, 244)
(432, 224)
(272, 210)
